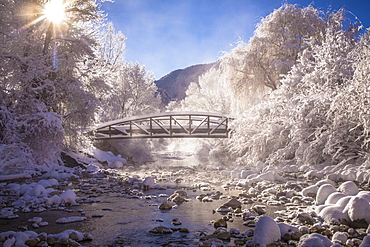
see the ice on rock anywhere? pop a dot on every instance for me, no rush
(358, 209)
(324, 191)
(68, 196)
(349, 188)
(334, 197)
(266, 231)
(314, 240)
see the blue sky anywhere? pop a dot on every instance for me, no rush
(165, 35)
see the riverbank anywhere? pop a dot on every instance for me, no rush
(122, 207)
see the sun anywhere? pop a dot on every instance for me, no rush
(54, 11)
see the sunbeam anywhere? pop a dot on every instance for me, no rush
(54, 11)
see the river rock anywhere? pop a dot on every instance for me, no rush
(161, 230)
(176, 221)
(233, 203)
(178, 197)
(224, 236)
(220, 223)
(259, 209)
(184, 230)
(165, 206)
(32, 242)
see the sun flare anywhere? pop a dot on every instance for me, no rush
(54, 11)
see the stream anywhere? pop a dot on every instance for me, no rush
(118, 218)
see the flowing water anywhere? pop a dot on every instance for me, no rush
(127, 220)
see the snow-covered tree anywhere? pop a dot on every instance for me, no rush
(306, 120)
(210, 94)
(41, 91)
(255, 68)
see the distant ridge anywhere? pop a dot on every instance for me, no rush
(173, 86)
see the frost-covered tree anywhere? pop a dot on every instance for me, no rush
(135, 91)
(255, 68)
(306, 120)
(42, 92)
(210, 94)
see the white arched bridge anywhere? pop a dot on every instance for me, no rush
(166, 125)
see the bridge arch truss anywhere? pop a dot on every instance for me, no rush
(166, 125)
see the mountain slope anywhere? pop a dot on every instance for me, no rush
(173, 86)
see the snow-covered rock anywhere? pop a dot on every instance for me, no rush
(340, 237)
(68, 196)
(333, 213)
(70, 219)
(266, 231)
(38, 190)
(334, 197)
(349, 188)
(324, 191)
(286, 228)
(314, 240)
(148, 183)
(310, 190)
(358, 209)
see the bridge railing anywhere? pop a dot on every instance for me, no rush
(166, 125)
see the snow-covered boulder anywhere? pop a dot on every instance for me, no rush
(358, 209)
(54, 200)
(343, 201)
(340, 237)
(92, 168)
(68, 196)
(314, 240)
(49, 183)
(286, 229)
(266, 231)
(334, 197)
(349, 188)
(364, 195)
(324, 191)
(38, 190)
(310, 191)
(333, 213)
(148, 183)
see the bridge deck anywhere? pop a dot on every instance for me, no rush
(166, 125)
